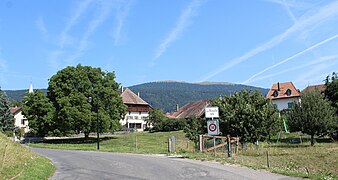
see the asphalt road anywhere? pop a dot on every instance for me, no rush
(103, 165)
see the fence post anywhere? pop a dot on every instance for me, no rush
(267, 159)
(136, 144)
(201, 142)
(169, 144)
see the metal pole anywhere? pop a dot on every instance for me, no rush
(97, 127)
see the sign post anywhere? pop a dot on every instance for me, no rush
(212, 125)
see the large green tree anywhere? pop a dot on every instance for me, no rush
(313, 116)
(331, 91)
(247, 115)
(40, 113)
(72, 87)
(6, 117)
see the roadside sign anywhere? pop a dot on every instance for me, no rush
(211, 112)
(213, 127)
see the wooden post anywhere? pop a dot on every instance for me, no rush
(267, 159)
(214, 146)
(169, 145)
(201, 142)
(136, 144)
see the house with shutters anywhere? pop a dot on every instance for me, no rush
(137, 110)
(284, 95)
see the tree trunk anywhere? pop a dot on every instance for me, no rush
(312, 140)
(86, 135)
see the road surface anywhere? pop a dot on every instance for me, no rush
(104, 165)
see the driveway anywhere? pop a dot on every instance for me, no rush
(104, 165)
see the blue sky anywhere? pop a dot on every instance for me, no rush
(250, 42)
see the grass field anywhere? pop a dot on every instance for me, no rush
(302, 160)
(142, 142)
(21, 163)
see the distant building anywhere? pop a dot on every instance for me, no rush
(283, 95)
(137, 111)
(20, 120)
(192, 109)
(319, 87)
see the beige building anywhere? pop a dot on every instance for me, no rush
(20, 120)
(137, 111)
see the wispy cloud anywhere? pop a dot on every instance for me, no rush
(78, 12)
(321, 60)
(316, 75)
(307, 21)
(122, 12)
(40, 25)
(294, 4)
(103, 11)
(292, 57)
(182, 23)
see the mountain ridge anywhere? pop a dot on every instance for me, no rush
(165, 95)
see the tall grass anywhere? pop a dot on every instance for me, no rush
(19, 162)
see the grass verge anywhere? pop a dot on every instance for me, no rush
(18, 162)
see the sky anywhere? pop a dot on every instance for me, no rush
(251, 42)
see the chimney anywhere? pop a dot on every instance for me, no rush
(138, 94)
(278, 86)
(177, 107)
(121, 89)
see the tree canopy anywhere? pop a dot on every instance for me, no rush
(331, 91)
(6, 117)
(247, 115)
(313, 116)
(70, 90)
(40, 112)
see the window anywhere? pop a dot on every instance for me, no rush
(129, 117)
(144, 117)
(135, 117)
(288, 92)
(22, 121)
(275, 94)
(290, 105)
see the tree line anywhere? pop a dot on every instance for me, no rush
(252, 117)
(66, 108)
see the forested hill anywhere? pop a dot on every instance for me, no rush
(17, 95)
(165, 95)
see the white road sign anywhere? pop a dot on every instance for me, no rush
(211, 112)
(213, 127)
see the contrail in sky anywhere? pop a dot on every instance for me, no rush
(182, 24)
(291, 57)
(325, 13)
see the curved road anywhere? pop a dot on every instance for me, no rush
(105, 165)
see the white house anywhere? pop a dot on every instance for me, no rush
(137, 111)
(283, 95)
(20, 120)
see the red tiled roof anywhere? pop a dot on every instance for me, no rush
(193, 109)
(128, 97)
(320, 87)
(282, 91)
(15, 110)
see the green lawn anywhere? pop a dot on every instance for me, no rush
(141, 142)
(318, 162)
(18, 161)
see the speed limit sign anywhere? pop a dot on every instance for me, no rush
(213, 127)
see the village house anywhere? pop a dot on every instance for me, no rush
(20, 121)
(137, 111)
(284, 95)
(319, 87)
(192, 109)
